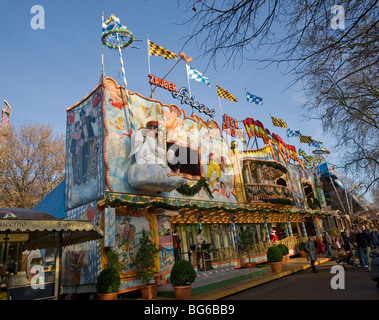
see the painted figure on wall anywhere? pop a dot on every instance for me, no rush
(73, 258)
(84, 163)
(127, 239)
(81, 263)
(166, 257)
(128, 236)
(150, 171)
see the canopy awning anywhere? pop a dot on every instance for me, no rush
(219, 212)
(39, 230)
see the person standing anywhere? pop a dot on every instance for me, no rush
(374, 255)
(328, 245)
(176, 242)
(375, 238)
(200, 239)
(311, 253)
(273, 237)
(363, 245)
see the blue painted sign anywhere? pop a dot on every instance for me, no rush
(184, 99)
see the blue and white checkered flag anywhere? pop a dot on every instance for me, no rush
(291, 133)
(315, 144)
(196, 75)
(111, 23)
(253, 99)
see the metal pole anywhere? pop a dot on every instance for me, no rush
(125, 84)
(58, 265)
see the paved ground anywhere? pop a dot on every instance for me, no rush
(236, 282)
(306, 285)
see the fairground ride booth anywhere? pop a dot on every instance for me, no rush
(147, 166)
(26, 274)
(349, 210)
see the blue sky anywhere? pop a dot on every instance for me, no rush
(44, 72)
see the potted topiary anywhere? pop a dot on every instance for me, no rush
(303, 254)
(182, 276)
(274, 257)
(108, 283)
(112, 259)
(284, 249)
(144, 264)
(246, 245)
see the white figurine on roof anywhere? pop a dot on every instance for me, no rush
(150, 171)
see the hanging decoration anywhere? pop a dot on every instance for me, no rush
(117, 36)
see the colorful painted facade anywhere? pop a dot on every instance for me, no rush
(192, 180)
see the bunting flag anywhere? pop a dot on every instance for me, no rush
(196, 75)
(111, 23)
(156, 50)
(306, 139)
(253, 99)
(315, 144)
(222, 93)
(278, 122)
(291, 133)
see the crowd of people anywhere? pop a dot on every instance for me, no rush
(361, 242)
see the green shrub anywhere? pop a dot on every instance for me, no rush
(112, 259)
(144, 261)
(274, 254)
(182, 273)
(302, 246)
(246, 241)
(284, 249)
(108, 281)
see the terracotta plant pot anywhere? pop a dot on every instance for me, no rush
(149, 292)
(276, 267)
(284, 260)
(108, 296)
(303, 254)
(183, 292)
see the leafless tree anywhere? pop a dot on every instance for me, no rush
(32, 164)
(333, 54)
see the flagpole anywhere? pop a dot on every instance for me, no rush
(125, 84)
(189, 86)
(148, 63)
(250, 111)
(219, 101)
(168, 73)
(251, 115)
(102, 50)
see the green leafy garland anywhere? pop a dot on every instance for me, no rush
(188, 191)
(163, 205)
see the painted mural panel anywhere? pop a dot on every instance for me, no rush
(294, 176)
(81, 263)
(128, 234)
(84, 155)
(140, 160)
